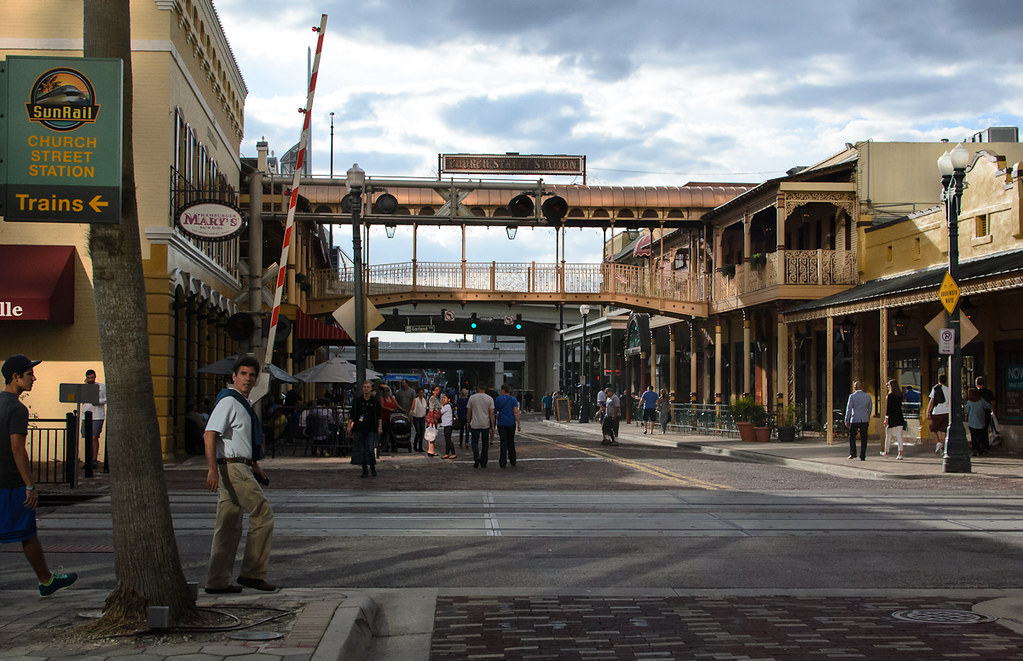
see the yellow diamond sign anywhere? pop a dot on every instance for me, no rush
(949, 293)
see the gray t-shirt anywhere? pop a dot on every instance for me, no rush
(614, 406)
(13, 420)
(404, 397)
(480, 405)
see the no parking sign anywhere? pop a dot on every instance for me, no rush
(946, 341)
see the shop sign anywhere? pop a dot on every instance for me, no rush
(210, 220)
(1013, 394)
(62, 159)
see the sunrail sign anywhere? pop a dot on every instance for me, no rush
(512, 164)
(61, 143)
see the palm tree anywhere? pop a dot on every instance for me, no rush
(146, 560)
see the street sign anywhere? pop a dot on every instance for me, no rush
(425, 328)
(967, 331)
(949, 293)
(946, 341)
(62, 140)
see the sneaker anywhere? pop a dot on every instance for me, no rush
(899, 457)
(57, 583)
(937, 448)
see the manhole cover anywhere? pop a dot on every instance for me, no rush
(937, 616)
(256, 635)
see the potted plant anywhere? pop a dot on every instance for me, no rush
(785, 420)
(758, 261)
(748, 415)
(728, 270)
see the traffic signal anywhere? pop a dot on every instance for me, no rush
(521, 206)
(385, 204)
(374, 348)
(518, 321)
(473, 321)
(554, 209)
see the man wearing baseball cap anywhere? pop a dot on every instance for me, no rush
(18, 496)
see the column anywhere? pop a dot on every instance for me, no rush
(718, 351)
(883, 351)
(672, 362)
(782, 370)
(747, 381)
(829, 397)
(782, 216)
(653, 359)
(692, 357)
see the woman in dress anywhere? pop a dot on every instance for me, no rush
(664, 410)
(894, 422)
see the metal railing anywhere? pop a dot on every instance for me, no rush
(53, 450)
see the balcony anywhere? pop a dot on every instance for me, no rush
(804, 274)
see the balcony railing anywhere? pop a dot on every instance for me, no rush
(801, 267)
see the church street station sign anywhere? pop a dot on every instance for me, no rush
(60, 139)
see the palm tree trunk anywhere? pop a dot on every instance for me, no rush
(146, 561)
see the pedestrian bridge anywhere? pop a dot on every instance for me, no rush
(636, 287)
(783, 275)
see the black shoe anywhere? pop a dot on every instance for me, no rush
(373, 473)
(257, 584)
(230, 589)
(364, 474)
(476, 463)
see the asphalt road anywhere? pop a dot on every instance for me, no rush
(575, 515)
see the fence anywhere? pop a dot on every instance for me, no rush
(53, 450)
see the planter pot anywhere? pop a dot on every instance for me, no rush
(746, 432)
(787, 433)
(763, 434)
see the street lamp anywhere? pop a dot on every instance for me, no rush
(332, 145)
(584, 408)
(355, 181)
(952, 166)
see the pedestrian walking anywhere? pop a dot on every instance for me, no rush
(481, 424)
(234, 446)
(649, 401)
(988, 396)
(462, 409)
(937, 411)
(98, 412)
(894, 421)
(447, 416)
(548, 405)
(18, 495)
(664, 410)
(404, 396)
(977, 410)
(508, 421)
(857, 419)
(612, 410)
(364, 425)
(387, 406)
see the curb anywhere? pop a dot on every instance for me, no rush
(350, 632)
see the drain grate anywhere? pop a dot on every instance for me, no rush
(938, 616)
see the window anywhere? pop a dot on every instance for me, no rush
(891, 253)
(981, 227)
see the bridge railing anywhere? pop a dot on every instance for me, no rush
(522, 277)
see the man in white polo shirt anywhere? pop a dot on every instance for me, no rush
(233, 449)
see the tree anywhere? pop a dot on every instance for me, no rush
(146, 560)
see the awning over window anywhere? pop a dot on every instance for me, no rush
(308, 328)
(642, 248)
(37, 283)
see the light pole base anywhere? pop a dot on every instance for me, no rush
(957, 464)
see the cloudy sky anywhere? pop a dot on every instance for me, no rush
(653, 92)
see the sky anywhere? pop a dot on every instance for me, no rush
(653, 92)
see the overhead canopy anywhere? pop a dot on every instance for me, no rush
(38, 283)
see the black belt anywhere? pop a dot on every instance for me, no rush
(234, 460)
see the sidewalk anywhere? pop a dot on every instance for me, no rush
(814, 454)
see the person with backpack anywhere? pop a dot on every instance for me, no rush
(938, 410)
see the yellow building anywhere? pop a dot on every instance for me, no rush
(189, 98)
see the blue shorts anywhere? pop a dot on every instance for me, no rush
(97, 429)
(17, 522)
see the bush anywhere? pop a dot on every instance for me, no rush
(746, 409)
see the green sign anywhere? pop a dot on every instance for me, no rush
(61, 139)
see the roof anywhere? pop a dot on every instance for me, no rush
(971, 270)
(809, 174)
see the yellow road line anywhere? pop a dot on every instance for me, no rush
(670, 476)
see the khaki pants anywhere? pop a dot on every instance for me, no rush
(238, 491)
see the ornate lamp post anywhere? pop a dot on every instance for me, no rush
(952, 166)
(584, 408)
(355, 181)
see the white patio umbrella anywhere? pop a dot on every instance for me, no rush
(224, 366)
(334, 370)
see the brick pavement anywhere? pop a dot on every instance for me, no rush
(780, 628)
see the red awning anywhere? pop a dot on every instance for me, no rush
(38, 283)
(642, 247)
(308, 328)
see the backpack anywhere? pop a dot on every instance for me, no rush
(938, 394)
